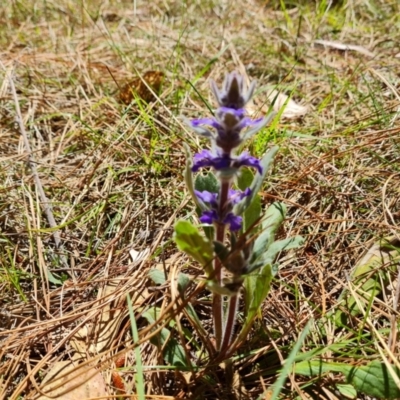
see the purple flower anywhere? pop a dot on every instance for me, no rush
(236, 195)
(207, 197)
(207, 159)
(212, 215)
(245, 159)
(228, 123)
(221, 162)
(209, 217)
(234, 221)
(230, 118)
(227, 130)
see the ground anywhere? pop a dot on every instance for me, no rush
(92, 185)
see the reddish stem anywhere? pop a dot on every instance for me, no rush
(220, 237)
(230, 322)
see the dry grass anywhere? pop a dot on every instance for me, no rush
(113, 175)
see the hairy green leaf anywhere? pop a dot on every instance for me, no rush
(192, 242)
(271, 221)
(256, 290)
(173, 352)
(157, 276)
(206, 181)
(280, 245)
(253, 211)
(373, 379)
(255, 187)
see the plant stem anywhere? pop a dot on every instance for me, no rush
(230, 322)
(220, 237)
(217, 307)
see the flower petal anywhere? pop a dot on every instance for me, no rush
(207, 159)
(234, 221)
(203, 159)
(209, 217)
(249, 161)
(207, 197)
(256, 125)
(235, 196)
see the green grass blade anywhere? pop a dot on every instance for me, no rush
(289, 362)
(139, 377)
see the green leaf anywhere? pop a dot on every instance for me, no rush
(206, 181)
(256, 290)
(157, 276)
(53, 279)
(188, 239)
(189, 177)
(369, 273)
(318, 367)
(280, 245)
(253, 211)
(374, 380)
(257, 287)
(255, 187)
(287, 366)
(347, 390)
(271, 221)
(173, 352)
(183, 282)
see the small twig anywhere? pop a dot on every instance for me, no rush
(46, 204)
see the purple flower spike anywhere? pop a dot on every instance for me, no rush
(228, 123)
(223, 208)
(232, 94)
(230, 118)
(219, 162)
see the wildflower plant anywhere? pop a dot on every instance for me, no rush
(238, 247)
